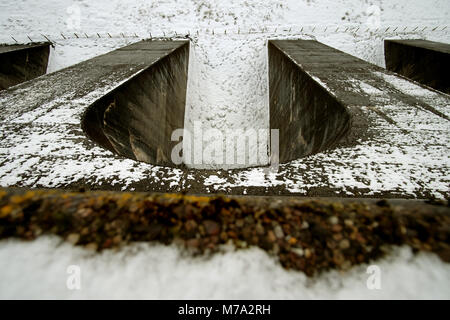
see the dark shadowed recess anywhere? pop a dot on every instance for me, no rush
(20, 63)
(426, 62)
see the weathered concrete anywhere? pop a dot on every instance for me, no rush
(313, 116)
(137, 118)
(310, 235)
(20, 63)
(423, 61)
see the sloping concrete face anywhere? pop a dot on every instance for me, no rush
(20, 63)
(423, 61)
(136, 119)
(310, 118)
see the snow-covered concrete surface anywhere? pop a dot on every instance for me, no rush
(39, 270)
(406, 154)
(227, 82)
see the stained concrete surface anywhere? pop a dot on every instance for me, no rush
(424, 61)
(136, 119)
(309, 235)
(20, 63)
(310, 118)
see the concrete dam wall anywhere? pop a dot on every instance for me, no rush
(136, 119)
(20, 63)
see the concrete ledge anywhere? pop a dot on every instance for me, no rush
(423, 61)
(137, 118)
(20, 63)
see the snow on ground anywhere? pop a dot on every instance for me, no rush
(38, 270)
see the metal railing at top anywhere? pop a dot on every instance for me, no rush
(269, 31)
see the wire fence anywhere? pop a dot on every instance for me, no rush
(190, 33)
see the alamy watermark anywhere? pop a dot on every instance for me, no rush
(73, 281)
(234, 147)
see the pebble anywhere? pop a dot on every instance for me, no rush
(403, 230)
(308, 253)
(73, 238)
(346, 265)
(212, 228)
(260, 229)
(348, 222)
(344, 244)
(178, 241)
(239, 223)
(338, 258)
(117, 239)
(332, 234)
(190, 225)
(271, 236)
(279, 232)
(287, 212)
(84, 212)
(337, 206)
(91, 246)
(337, 236)
(298, 251)
(224, 236)
(445, 255)
(193, 243)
